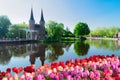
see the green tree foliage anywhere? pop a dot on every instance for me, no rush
(81, 29)
(102, 32)
(16, 31)
(68, 33)
(4, 25)
(54, 30)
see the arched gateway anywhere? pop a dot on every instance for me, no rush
(35, 31)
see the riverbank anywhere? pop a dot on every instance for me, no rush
(102, 38)
(17, 41)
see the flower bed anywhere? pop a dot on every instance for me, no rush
(97, 67)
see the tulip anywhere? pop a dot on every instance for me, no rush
(16, 77)
(56, 77)
(52, 75)
(97, 73)
(86, 73)
(60, 68)
(8, 70)
(69, 77)
(10, 78)
(22, 77)
(61, 77)
(40, 77)
(92, 75)
(65, 74)
(97, 67)
(5, 78)
(29, 78)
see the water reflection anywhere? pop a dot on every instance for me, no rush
(55, 50)
(52, 51)
(106, 44)
(5, 56)
(38, 52)
(81, 48)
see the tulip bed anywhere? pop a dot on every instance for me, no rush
(97, 67)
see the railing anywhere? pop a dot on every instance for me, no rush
(19, 40)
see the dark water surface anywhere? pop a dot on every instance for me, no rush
(17, 55)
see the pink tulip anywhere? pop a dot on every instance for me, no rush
(40, 77)
(52, 75)
(10, 78)
(92, 75)
(97, 73)
(5, 78)
(69, 77)
(15, 76)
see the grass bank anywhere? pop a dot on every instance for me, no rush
(64, 39)
(102, 38)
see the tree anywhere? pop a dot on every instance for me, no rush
(81, 29)
(4, 25)
(68, 33)
(108, 32)
(16, 30)
(54, 30)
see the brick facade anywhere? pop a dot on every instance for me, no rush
(38, 28)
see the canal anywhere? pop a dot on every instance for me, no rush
(21, 55)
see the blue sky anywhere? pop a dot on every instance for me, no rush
(96, 13)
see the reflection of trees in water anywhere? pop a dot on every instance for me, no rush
(67, 45)
(36, 50)
(5, 56)
(17, 50)
(105, 44)
(81, 48)
(55, 50)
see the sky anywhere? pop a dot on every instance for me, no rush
(96, 13)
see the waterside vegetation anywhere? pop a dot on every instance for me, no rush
(105, 32)
(56, 32)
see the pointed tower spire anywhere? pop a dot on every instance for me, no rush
(42, 18)
(31, 15)
(31, 20)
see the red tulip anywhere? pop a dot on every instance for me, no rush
(8, 70)
(14, 69)
(54, 65)
(61, 63)
(17, 70)
(3, 73)
(77, 61)
(29, 69)
(113, 55)
(67, 62)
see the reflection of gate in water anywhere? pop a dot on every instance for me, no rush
(117, 42)
(36, 51)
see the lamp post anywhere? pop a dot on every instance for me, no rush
(19, 34)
